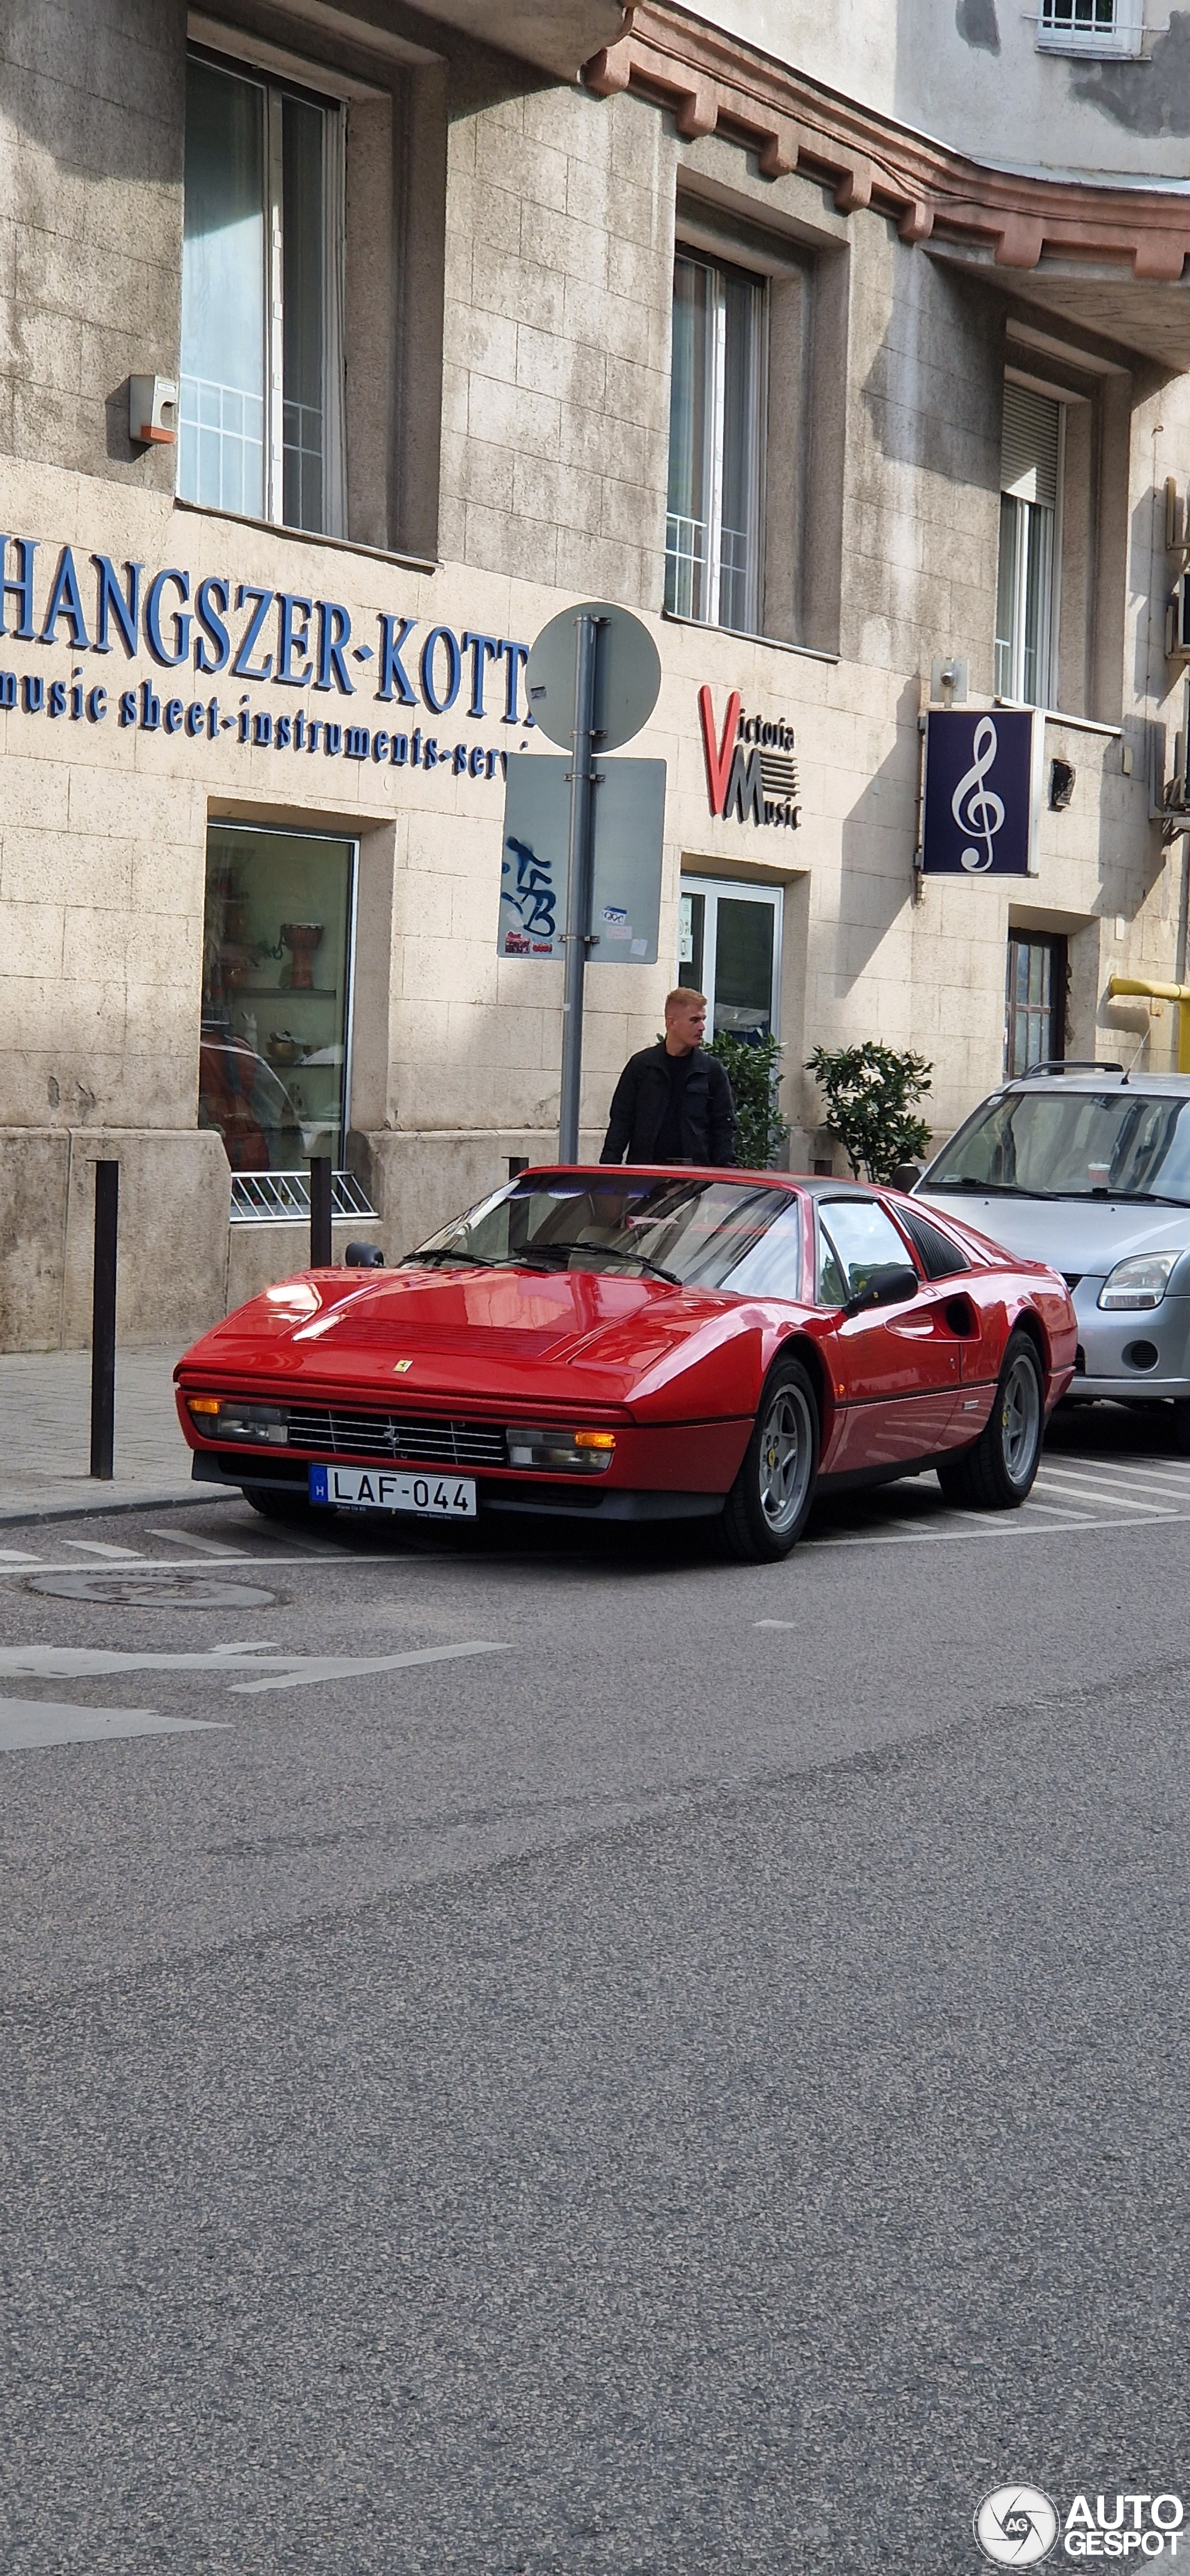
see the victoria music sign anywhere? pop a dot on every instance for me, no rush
(209, 637)
(751, 771)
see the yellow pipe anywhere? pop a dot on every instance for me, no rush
(1150, 992)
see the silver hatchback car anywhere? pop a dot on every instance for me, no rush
(1089, 1170)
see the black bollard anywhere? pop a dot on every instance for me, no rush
(103, 1321)
(517, 1163)
(321, 1249)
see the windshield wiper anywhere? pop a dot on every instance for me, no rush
(1150, 1198)
(992, 1189)
(423, 1260)
(620, 1252)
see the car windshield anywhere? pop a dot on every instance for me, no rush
(706, 1234)
(1072, 1144)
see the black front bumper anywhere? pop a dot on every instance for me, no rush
(493, 1494)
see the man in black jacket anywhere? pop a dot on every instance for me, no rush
(672, 1103)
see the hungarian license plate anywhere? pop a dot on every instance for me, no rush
(390, 1489)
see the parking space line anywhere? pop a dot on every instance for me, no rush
(1094, 1493)
(1007, 1525)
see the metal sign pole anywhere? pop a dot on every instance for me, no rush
(578, 897)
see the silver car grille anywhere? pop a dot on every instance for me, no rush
(429, 1442)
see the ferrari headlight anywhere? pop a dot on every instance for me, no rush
(570, 1453)
(225, 1418)
(1139, 1282)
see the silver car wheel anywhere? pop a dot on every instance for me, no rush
(1020, 1418)
(786, 1459)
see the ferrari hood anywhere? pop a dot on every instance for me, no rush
(1074, 1235)
(507, 1336)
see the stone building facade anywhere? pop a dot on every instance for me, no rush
(844, 344)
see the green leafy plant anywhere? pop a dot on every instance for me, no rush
(869, 1092)
(754, 1071)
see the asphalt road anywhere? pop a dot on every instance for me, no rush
(534, 2058)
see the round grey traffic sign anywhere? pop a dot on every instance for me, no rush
(627, 675)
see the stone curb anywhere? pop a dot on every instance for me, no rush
(59, 1505)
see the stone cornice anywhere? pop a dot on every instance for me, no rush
(712, 82)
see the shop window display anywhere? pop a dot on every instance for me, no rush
(273, 1054)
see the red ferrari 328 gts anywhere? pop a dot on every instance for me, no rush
(637, 1345)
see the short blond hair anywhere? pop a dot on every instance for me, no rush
(682, 993)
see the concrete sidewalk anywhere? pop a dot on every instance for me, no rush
(45, 1436)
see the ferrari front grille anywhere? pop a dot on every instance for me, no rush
(428, 1442)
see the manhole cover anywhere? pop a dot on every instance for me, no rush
(143, 1590)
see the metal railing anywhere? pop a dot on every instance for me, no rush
(271, 1198)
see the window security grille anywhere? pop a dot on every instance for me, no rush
(1030, 489)
(1034, 1003)
(267, 1198)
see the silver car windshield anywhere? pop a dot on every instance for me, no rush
(1072, 1145)
(709, 1234)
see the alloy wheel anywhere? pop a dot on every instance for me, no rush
(786, 1459)
(1020, 1418)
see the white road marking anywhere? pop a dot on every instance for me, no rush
(1011, 1526)
(201, 1564)
(205, 1546)
(1088, 1492)
(23, 1557)
(333, 1668)
(26, 1724)
(100, 1547)
(287, 1671)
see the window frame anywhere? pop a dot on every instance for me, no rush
(1055, 945)
(826, 1248)
(731, 890)
(720, 269)
(1046, 691)
(1123, 36)
(275, 87)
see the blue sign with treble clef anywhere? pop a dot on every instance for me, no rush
(982, 792)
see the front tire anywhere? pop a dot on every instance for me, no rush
(996, 1474)
(1181, 1426)
(767, 1508)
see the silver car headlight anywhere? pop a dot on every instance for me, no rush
(1139, 1282)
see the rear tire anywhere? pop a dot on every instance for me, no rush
(767, 1508)
(277, 1507)
(996, 1474)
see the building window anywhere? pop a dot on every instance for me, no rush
(1035, 1003)
(260, 397)
(712, 563)
(276, 994)
(729, 947)
(1030, 486)
(1090, 26)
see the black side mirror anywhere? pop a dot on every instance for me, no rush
(892, 1285)
(364, 1256)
